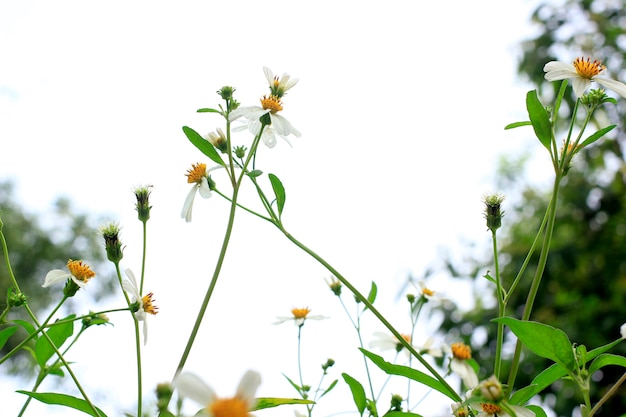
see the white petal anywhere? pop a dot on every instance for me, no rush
(282, 126)
(269, 75)
(465, 371)
(191, 386)
(269, 139)
(248, 385)
(145, 331)
(204, 189)
(130, 286)
(188, 206)
(622, 330)
(78, 282)
(617, 86)
(55, 276)
(580, 85)
(522, 411)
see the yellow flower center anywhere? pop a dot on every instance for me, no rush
(461, 351)
(148, 304)
(587, 69)
(491, 408)
(300, 313)
(271, 103)
(428, 292)
(196, 173)
(228, 407)
(80, 271)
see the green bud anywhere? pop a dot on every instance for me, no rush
(410, 298)
(240, 151)
(70, 288)
(226, 92)
(328, 364)
(493, 213)
(16, 299)
(164, 393)
(112, 242)
(142, 193)
(335, 286)
(396, 402)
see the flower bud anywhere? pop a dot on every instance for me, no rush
(491, 389)
(142, 193)
(493, 213)
(226, 92)
(396, 402)
(16, 299)
(164, 393)
(112, 242)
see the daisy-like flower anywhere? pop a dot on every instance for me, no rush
(279, 86)
(299, 316)
(218, 139)
(582, 72)
(198, 176)
(191, 386)
(460, 353)
(460, 410)
(79, 272)
(492, 410)
(145, 303)
(387, 341)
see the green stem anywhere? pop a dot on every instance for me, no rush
(608, 395)
(501, 307)
(534, 287)
(143, 256)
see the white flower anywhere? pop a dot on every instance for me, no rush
(299, 316)
(460, 353)
(79, 272)
(279, 86)
(622, 330)
(196, 175)
(191, 386)
(385, 341)
(582, 72)
(145, 303)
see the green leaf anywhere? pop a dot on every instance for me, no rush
(255, 173)
(371, 297)
(279, 192)
(597, 135)
(268, 402)
(66, 400)
(517, 124)
(203, 145)
(537, 410)
(207, 110)
(5, 334)
(545, 341)
(332, 385)
(401, 414)
(166, 413)
(606, 359)
(358, 393)
(30, 329)
(58, 333)
(539, 118)
(293, 384)
(541, 382)
(559, 98)
(414, 374)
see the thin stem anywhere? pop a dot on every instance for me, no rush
(501, 307)
(608, 395)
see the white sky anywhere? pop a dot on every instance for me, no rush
(402, 108)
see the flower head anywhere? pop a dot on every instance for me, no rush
(79, 272)
(198, 176)
(279, 86)
(385, 341)
(493, 410)
(491, 389)
(299, 316)
(112, 244)
(190, 385)
(142, 193)
(144, 305)
(582, 72)
(460, 354)
(218, 139)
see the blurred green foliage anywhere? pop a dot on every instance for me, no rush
(583, 291)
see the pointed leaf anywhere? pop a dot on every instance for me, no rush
(517, 124)
(332, 385)
(207, 110)
(545, 341)
(268, 402)
(58, 333)
(66, 400)
(539, 118)
(607, 359)
(203, 145)
(30, 329)
(541, 382)
(279, 192)
(597, 135)
(414, 374)
(5, 334)
(401, 414)
(358, 393)
(371, 297)
(255, 173)
(293, 384)
(537, 410)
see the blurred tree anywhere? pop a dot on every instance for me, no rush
(584, 285)
(39, 242)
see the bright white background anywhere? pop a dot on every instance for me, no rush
(401, 105)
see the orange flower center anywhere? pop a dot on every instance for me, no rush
(428, 292)
(461, 351)
(196, 173)
(300, 313)
(80, 271)
(228, 407)
(148, 304)
(587, 69)
(271, 103)
(491, 408)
